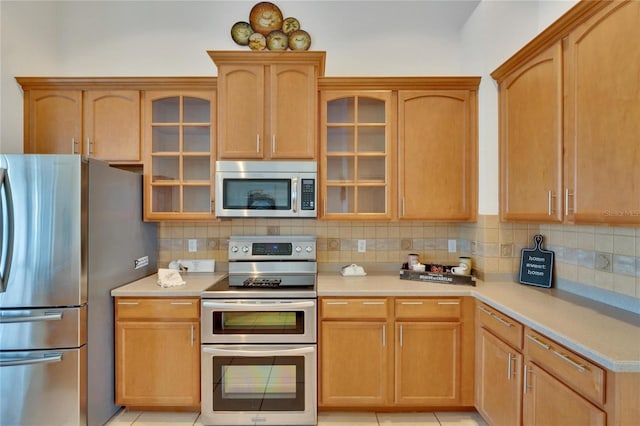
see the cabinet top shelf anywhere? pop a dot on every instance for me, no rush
(269, 57)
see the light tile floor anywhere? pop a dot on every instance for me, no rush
(152, 418)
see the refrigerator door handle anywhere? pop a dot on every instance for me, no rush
(48, 316)
(49, 358)
(6, 252)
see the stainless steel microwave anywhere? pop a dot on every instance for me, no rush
(266, 189)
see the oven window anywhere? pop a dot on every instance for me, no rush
(274, 383)
(256, 322)
(256, 194)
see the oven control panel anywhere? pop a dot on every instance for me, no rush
(272, 248)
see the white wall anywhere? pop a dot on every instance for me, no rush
(495, 31)
(361, 38)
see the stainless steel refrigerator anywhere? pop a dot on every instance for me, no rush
(71, 230)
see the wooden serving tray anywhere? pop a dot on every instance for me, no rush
(437, 277)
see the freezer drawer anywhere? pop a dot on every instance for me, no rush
(29, 329)
(43, 388)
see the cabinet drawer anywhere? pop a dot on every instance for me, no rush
(419, 308)
(577, 372)
(501, 325)
(157, 308)
(354, 308)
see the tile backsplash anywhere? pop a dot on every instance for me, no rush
(600, 257)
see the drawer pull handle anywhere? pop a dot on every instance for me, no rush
(486, 311)
(182, 303)
(497, 318)
(538, 342)
(337, 303)
(448, 303)
(581, 368)
(384, 336)
(128, 303)
(500, 320)
(411, 303)
(373, 303)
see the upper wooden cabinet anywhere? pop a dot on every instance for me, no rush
(437, 167)
(357, 154)
(112, 124)
(573, 89)
(602, 117)
(267, 104)
(179, 154)
(531, 187)
(399, 148)
(102, 124)
(52, 121)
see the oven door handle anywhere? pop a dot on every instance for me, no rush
(274, 352)
(282, 306)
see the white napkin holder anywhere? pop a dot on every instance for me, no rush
(353, 270)
(169, 278)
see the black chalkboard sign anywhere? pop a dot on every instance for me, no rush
(536, 265)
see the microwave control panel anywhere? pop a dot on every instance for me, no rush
(308, 196)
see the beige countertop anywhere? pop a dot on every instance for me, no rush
(606, 335)
(196, 282)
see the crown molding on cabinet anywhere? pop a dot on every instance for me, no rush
(271, 56)
(398, 83)
(115, 83)
(554, 32)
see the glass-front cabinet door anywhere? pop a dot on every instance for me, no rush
(357, 153)
(179, 156)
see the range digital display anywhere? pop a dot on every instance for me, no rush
(272, 249)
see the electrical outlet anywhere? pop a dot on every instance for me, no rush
(193, 246)
(452, 246)
(362, 246)
(141, 262)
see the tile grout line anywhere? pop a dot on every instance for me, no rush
(437, 419)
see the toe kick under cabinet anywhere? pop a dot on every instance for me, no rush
(409, 353)
(158, 352)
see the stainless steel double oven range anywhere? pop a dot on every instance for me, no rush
(258, 334)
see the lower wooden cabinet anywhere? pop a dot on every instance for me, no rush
(157, 352)
(427, 367)
(354, 357)
(547, 401)
(499, 359)
(413, 353)
(525, 378)
(499, 380)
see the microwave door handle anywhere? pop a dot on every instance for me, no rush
(6, 252)
(294, 194)
(274, 352)
(285, 306)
